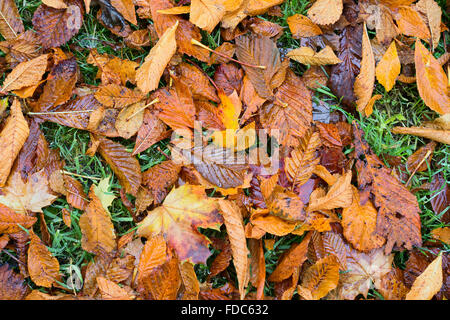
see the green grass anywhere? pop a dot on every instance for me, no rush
(400, 107)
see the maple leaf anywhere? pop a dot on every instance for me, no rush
(11, 24)
(32, 195)
(184, 210)
(398, 217)
(148, 75)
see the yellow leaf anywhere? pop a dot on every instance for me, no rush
(176, 10)
(442, 234)
(364, 82)
(206, 14)
(325, 11)
(306, 55)
(235, 227)
(433, 13)
(431, 80)
(428, 283)
(57, 4)
(322, 277)
(148, 75)
(12, 137)
(388, 68)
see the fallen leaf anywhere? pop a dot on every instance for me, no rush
(322, 277)
(116, 96)
(442, 234)
(433, 13)
(306, 55)
(126, 8)
(184, 210)
(325, 11)
(431, 80)
(388, 68)
(12, 285)
(112, 291)
(148, 75)
(11, 24)
(42, 266)
(302, 26)
(26, 74)
(206, 14)
(10, 221)
(365, 81)
(97, 228)
(428, 283)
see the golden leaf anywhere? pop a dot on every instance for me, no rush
(26, 74)
(206, 14)
(302, 26)
(325, 11)
(388, 68)
(428, 283)
(306, 55)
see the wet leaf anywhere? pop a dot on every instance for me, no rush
(388, 68)
(306, 55)
(11, 24)
(42, 266)
(428, 283)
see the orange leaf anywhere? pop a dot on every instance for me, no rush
(42, 266)
(10, 22)
(206, 14)
(411, 24)
(431, 80)
(388, 68)
(322, 277)
(302, 26)
(10, 220)
(112, 291)
(325, 11)
(184, 210)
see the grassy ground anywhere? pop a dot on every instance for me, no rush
(401, 107)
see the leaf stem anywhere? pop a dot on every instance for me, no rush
(143, 108)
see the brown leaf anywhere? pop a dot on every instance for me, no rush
(285, 204)
(42, 266)
(176, 106)
(398, 211)
(258, 267)
(130, 119)
(322, 277)
(388, 68)
(391, 285)
(343, 75)
(126, 9)
(151, 131)
(190, 281)
(259, 51)
(160, 178)
(148, 75)
(420, 159)
(197, 81)
(12, 137)
(26, 74)
(117, 96)
(23, 48)
(325, 11)
(11, 24)
(291, 111)
(124, 165)
(440, 199)
(219, 166)
(54, 27)
(97, 228)
(154, 254)
(12, 285)
(442, 234)
(431, 80)
(59, 86)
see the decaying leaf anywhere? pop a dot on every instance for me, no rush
(428, 283)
